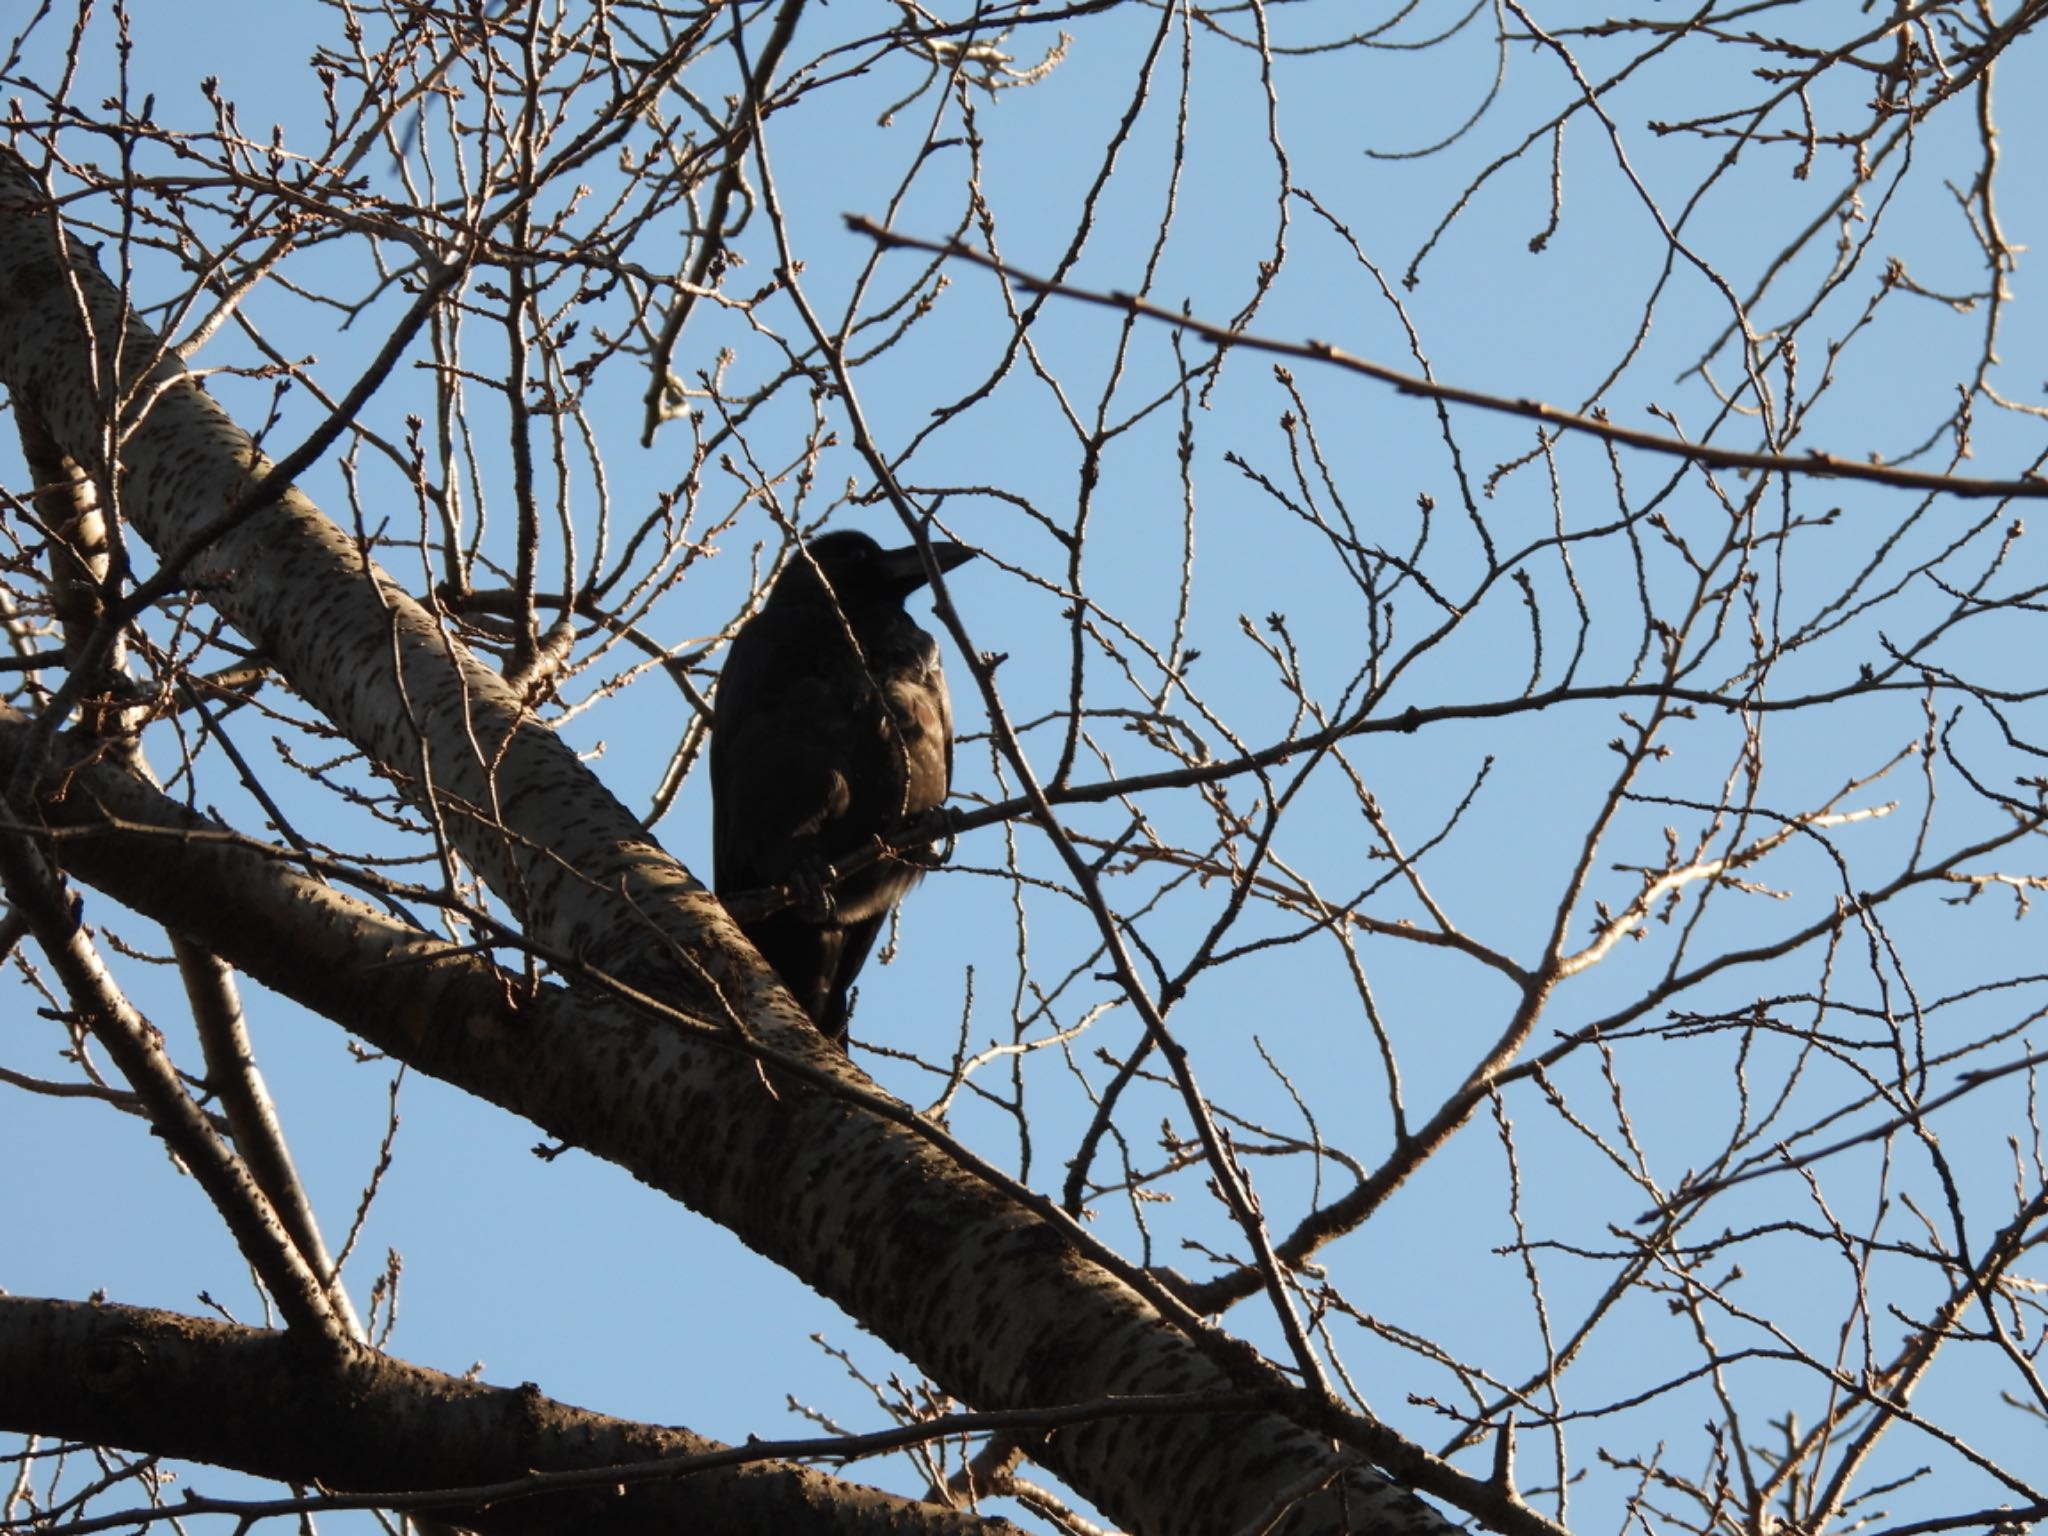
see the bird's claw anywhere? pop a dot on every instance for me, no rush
(810, 888)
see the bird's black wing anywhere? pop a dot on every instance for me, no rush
(780, 742)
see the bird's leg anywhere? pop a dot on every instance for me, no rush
(810, 889)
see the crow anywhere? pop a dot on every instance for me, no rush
(831, 726)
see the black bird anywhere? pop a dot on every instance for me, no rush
(831, 726)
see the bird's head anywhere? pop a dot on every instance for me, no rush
(854, 570)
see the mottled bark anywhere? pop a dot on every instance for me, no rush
(1002, 1306)
(128, 1376)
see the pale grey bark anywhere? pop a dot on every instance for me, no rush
(998, 1302)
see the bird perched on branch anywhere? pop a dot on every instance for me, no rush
(831, 728)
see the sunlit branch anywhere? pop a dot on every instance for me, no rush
(1815, 463)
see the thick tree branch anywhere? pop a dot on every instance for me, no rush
(129, 1376)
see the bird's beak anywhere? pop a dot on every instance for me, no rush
(905, 567)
